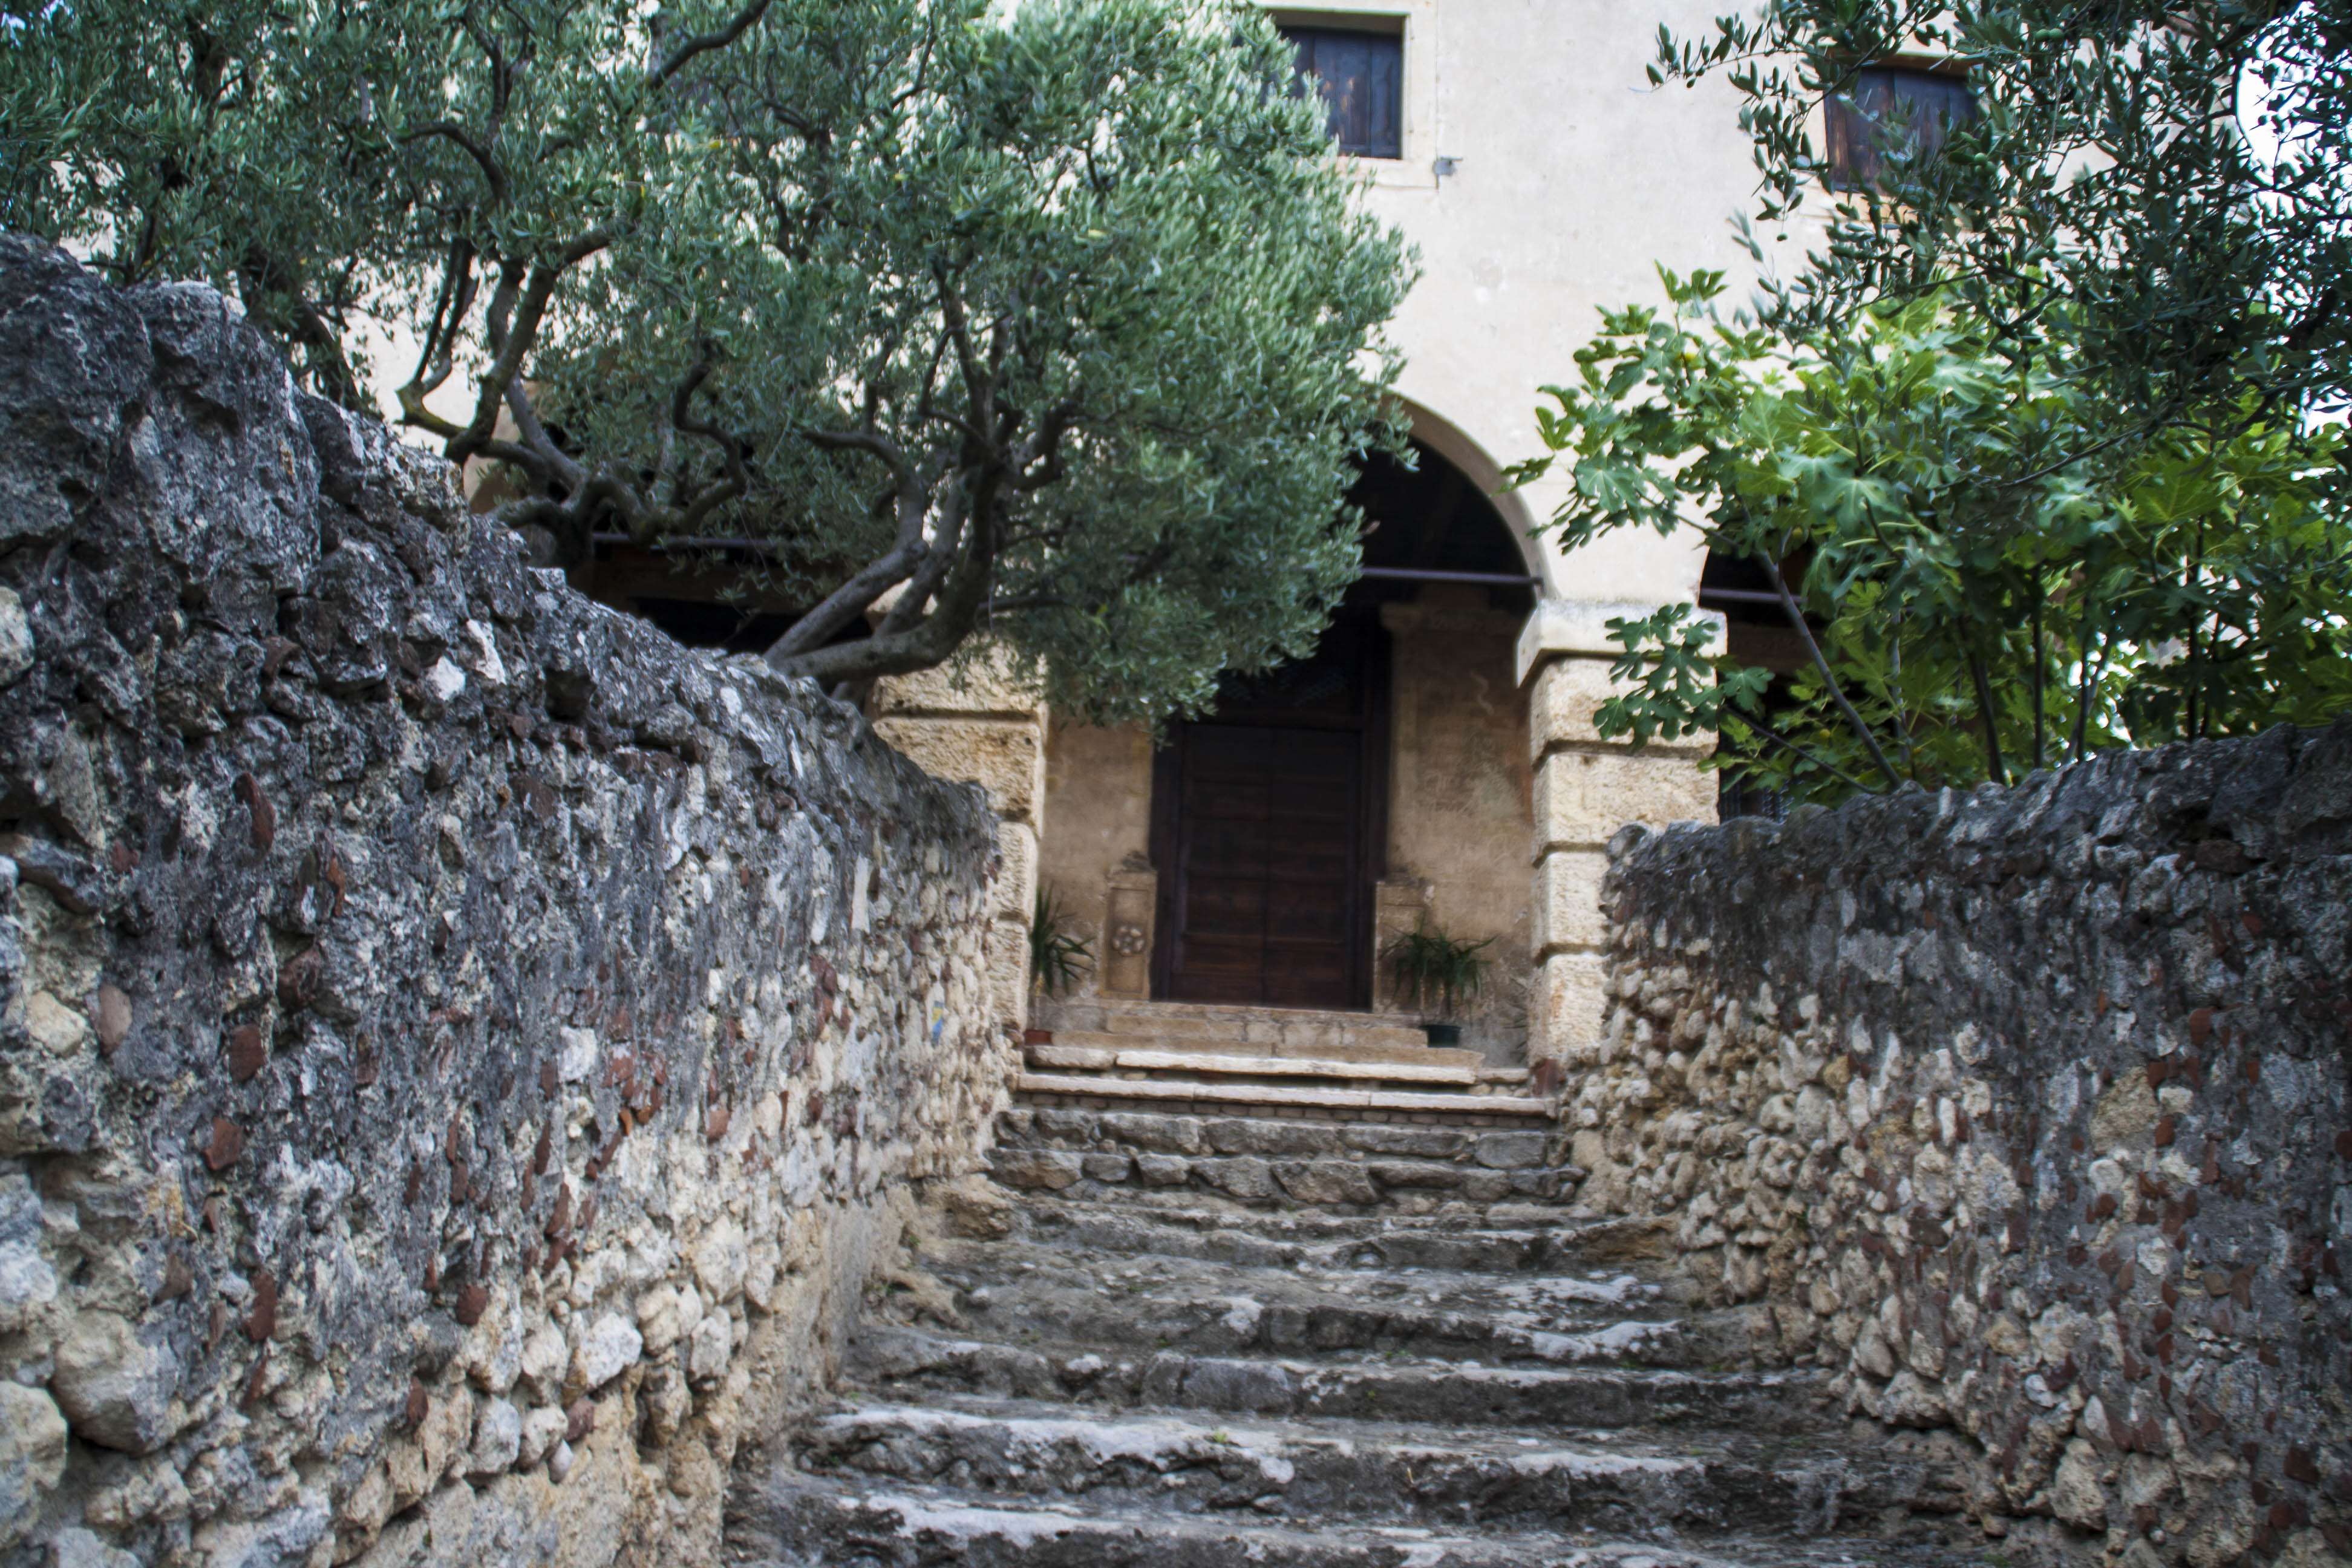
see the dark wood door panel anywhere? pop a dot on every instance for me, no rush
(1226, 906)
(1266, 827)
(1305, 860)
(1219, 852)
(1268, 865)
(1296, 911)
(1237, 789)
(1311, 975)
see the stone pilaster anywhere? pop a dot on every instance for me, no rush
(984, 726)
(1586, 788)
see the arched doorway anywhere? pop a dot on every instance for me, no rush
(1269, 815)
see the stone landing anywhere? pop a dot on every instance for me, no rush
(1279, 1064)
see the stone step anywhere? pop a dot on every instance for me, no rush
(1238, 1132)
(1344, 1167)
(1323, 1292)
(1230, 1063)
(1308, 1046)
(1079, 1089)
(1197, 1319)
(809, 1520)
(1360, 1184)
(1125, 1303)
(1363, 1472)
(1275, 1029)
(1163, 1264)
(904, 1363)
(1462, 1241)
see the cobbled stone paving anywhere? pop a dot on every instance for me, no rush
(1177, 1380)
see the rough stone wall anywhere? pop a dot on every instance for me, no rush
(460, 1054)
(2026, 1112)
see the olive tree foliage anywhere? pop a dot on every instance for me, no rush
(1974, 596)
(1049, 324)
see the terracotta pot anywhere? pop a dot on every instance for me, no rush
(1037, 1037)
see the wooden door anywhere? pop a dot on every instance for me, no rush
(1267, 823)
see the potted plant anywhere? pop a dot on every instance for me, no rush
(1057, 956)
(1432, 970)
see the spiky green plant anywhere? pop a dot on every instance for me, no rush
(1429, 966)
(1058, 958)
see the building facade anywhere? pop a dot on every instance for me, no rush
(1436, 766)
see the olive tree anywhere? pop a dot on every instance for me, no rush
(1052, 323)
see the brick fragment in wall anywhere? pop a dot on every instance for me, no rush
(425, 993)
(2025, 1112)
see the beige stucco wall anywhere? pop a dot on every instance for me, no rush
(1461, 790)
(1098, 800)
(973, 722)
(1573, 179)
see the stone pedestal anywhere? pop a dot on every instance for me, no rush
(1132, 901)
(1586, 788)
(985, 727)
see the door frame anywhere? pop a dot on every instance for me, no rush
(1373, 729)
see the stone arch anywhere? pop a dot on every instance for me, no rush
(1457, 446)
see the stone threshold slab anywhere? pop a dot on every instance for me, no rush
(1239, 1022)
(1083, 1058)
(1267, 1094)
(1416, 1053)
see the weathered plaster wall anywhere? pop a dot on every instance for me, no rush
(460, 1055)
(2026, 1112)
(1461, 788)
(1571, 180)
(1098, 799)
(1459, 806)
(1568, 181)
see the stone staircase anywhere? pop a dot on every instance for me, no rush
(1198, 1337)
(1270, 1062)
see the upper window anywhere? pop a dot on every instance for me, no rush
(1359, 77)
(1889, 106)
